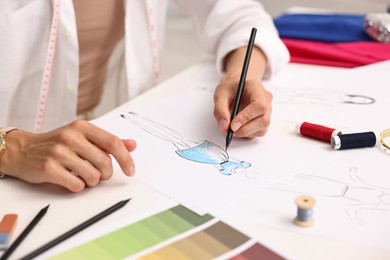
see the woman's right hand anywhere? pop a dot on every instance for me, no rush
(74, 156)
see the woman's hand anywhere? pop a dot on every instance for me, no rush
(74, 156)
(254, 116)
(255, 109)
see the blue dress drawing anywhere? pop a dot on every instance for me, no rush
(201, 152)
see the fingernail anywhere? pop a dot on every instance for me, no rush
(236, 126)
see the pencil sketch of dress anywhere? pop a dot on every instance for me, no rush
(319, 97)
(201, 152)
(306, 95)
(362, 196)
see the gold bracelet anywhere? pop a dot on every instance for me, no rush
(385, 146)
(3, 132)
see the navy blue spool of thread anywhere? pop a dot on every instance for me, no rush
(356, 140)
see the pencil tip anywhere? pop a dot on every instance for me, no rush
(227, 144)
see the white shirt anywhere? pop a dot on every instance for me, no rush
(26, 26)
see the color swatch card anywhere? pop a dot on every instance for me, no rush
(174, 233)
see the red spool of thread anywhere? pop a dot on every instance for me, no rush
(315, 131)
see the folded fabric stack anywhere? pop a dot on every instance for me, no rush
(330, 39)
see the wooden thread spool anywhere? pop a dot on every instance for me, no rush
(305, 211)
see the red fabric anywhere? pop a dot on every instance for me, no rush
(348, 54)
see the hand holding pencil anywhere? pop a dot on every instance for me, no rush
(254, 112)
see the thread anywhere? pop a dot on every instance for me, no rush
(305, 211)
(315, 131)
(354, 140)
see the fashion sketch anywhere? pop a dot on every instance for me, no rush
(315, 96)
(205, 152)
(361, 196)
(318, 96)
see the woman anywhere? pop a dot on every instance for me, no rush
(58, 55)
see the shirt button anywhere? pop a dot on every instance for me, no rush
(67, 34)
(68, 87)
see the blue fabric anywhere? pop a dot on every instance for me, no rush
(322, 27)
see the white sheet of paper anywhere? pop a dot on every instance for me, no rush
(351, 187)
(159, 164)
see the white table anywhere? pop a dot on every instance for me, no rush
(68, 210)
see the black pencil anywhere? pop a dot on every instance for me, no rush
(25, 232)
(76, 229)
(241, 84)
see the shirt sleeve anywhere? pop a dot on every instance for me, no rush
(225, 25)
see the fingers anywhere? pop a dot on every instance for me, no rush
(91, 163)
(223, 100)
(66, 165)
(252, 121)
(254, 117)
(75, 156)
(83, 151)
(130, 145)
(252, 129)
(53, 172)
(111, 144)
(68, 180)
(92, 147)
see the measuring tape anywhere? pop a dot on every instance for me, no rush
(47, 73)
(153, 38)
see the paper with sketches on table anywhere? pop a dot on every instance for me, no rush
(181, 154)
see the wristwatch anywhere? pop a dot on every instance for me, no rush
(3, 133)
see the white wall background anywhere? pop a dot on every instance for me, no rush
(349, 6)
